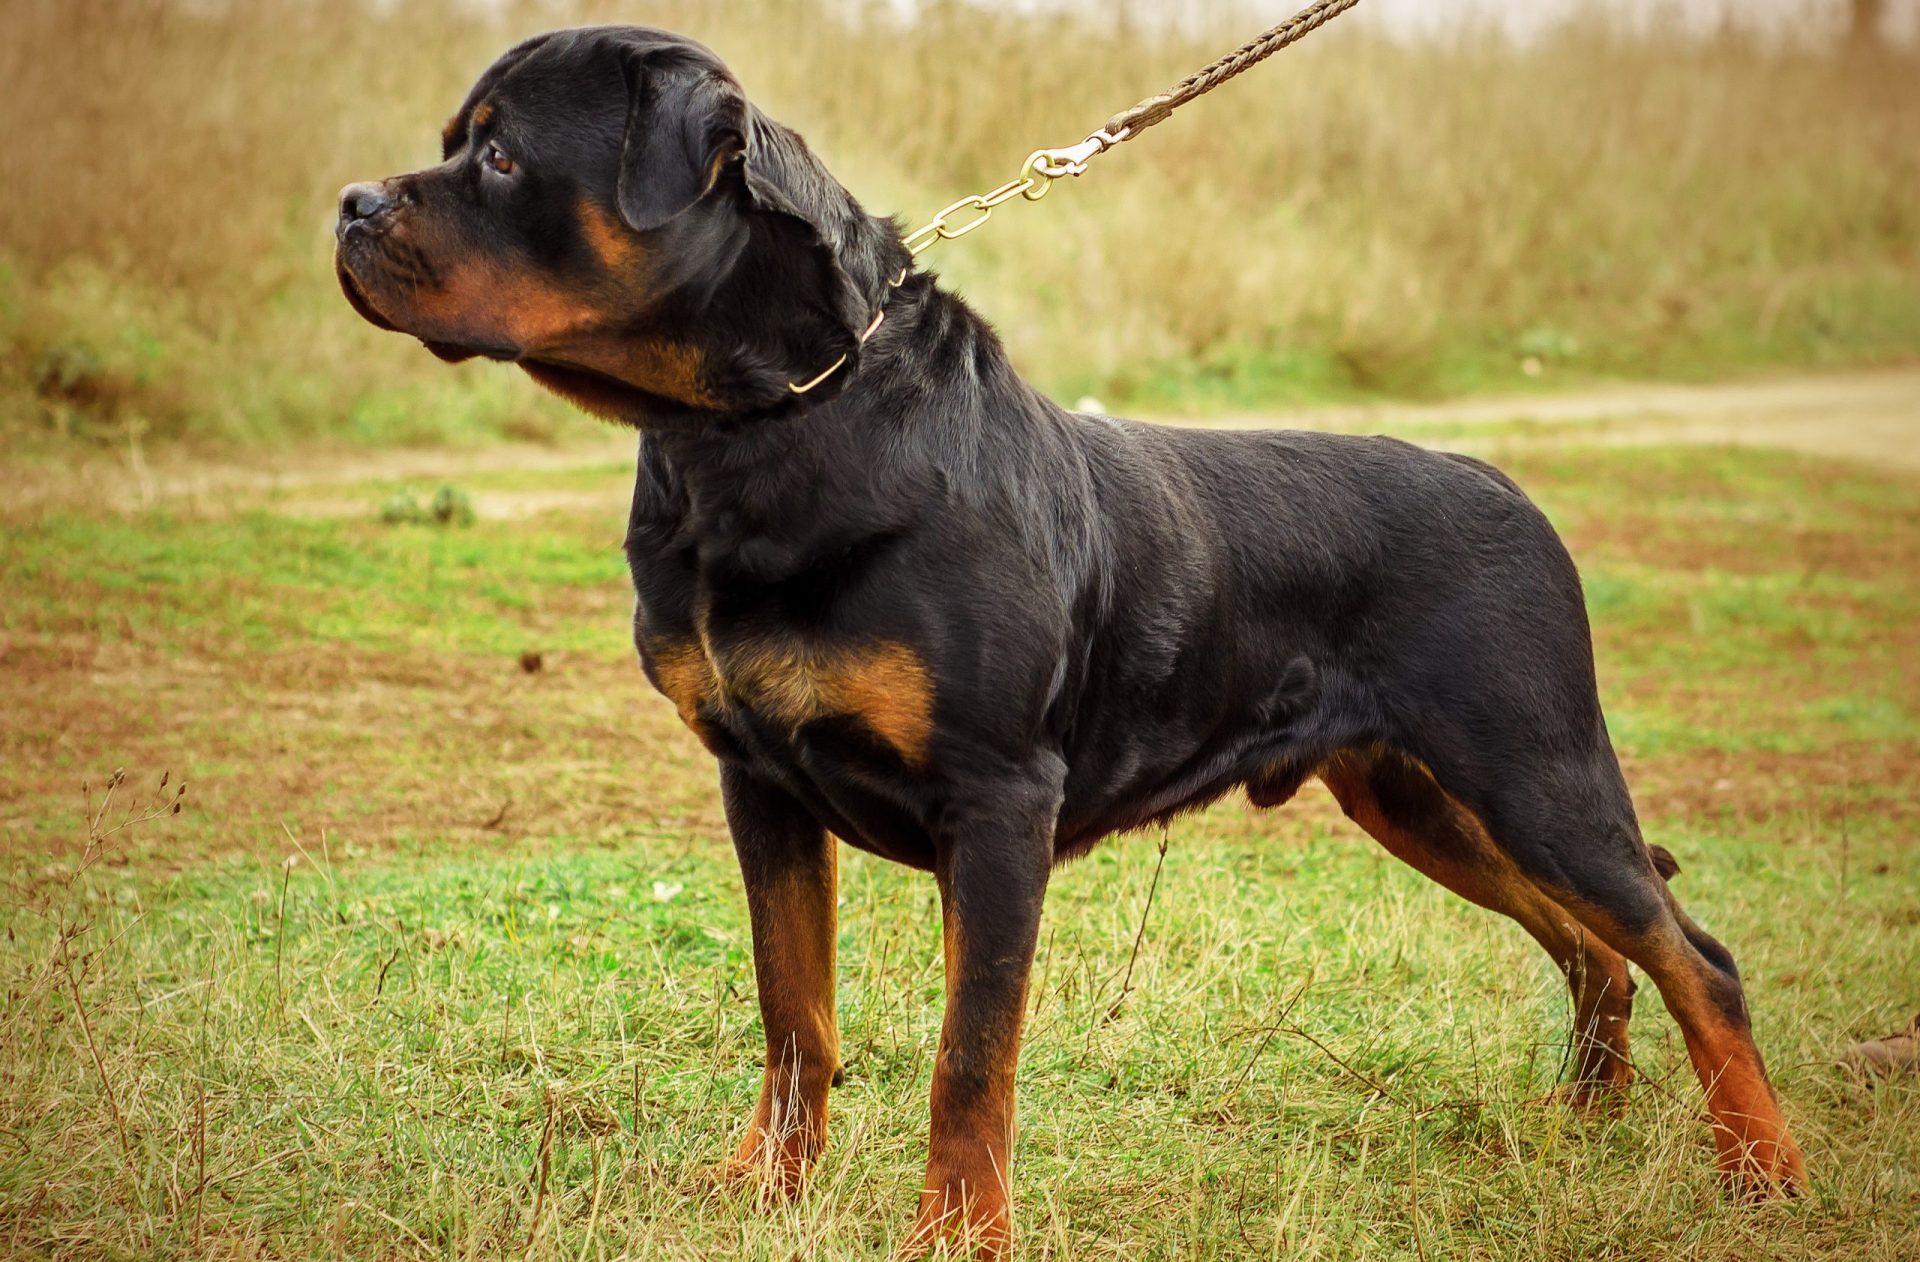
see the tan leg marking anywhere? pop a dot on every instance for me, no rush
(1437, 835)
(794, 963)
(967, 1200)
(1757, 1156)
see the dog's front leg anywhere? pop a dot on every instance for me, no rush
(789, 866)
(994, 853)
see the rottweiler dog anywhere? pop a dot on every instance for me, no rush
(921, 608)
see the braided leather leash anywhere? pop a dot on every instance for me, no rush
(1044, 166)
(1129, 123)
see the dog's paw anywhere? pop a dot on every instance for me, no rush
(776, 1171)
(1594, 1099)
(960, 1219)
(1764, 1169)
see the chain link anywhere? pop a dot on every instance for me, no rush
(1042, 168)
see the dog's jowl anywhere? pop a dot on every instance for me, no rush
(922, 609)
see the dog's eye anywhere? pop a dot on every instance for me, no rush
(499, 162)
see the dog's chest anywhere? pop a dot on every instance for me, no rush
(751, 685)
(759, 640)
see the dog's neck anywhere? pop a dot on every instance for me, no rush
(922, 411)
(916, 417)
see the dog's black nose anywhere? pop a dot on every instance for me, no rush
(359, 202)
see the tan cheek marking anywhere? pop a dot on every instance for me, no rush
(672, 370)
(477, 299)
(609, 239)
(486, 302)
(885, 686)
(605, 402)
(537, 314)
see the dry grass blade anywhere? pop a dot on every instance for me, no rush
(1140, 934)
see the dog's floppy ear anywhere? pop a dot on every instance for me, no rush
(684, 123)
(817, 262)
(839, 241)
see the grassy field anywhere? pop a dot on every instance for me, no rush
(1362, 218)
(444, 959)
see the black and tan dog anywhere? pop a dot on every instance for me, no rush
(923, 609)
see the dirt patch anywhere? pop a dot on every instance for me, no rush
(1811, 795)
(374, 748)
(377, 749)
(1812, 553)
(389, 746)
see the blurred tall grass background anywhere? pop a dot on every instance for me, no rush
(1366, 216)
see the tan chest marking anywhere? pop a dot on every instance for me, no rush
(686, 677)
(886, 687)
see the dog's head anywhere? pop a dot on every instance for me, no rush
(614, 216)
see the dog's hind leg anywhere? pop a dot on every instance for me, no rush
(1569, 825)
(1394, 799)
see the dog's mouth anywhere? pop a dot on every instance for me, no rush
(452, 352)
(357, 296)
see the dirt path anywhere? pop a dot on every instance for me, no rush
(1872, 417)
(1868, 416)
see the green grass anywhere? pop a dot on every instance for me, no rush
(508, 965)
(390, 1045)
(268, 579)
(388, 1051)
